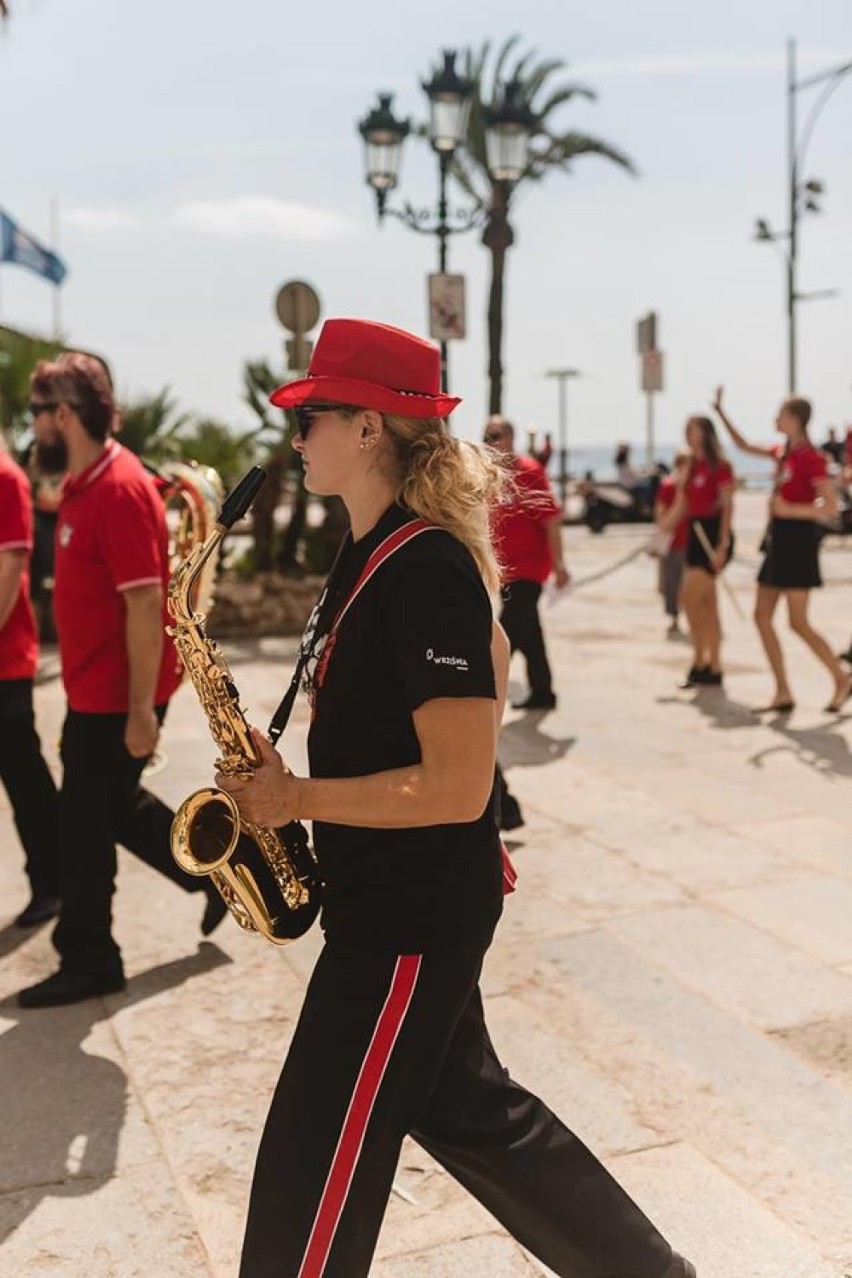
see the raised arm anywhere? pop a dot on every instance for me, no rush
(757, 450)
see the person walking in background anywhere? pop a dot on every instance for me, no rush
(528, 540)
(23, 770)
(674, 534)
(118, 667)
(707, 488)
(803, 493)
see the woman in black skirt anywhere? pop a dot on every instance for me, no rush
(706, 500)
(406, 680)
(802, 495)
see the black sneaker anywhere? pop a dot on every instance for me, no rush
(694, 676)
(711, 679)
(69, 987)
(39, 910)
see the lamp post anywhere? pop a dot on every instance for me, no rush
(450, 97)
(802, 196)
(563, 376)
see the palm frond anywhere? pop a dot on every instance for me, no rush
(501, 62)
(521, 66)
(463, 174)
(533, 82)
(559, 152)
(566, 94)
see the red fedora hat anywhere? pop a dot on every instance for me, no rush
(371, 365)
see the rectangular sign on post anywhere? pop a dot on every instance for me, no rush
(446, 308)
(652, 372)
(646, 333)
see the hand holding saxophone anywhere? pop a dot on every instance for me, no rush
(268, 796)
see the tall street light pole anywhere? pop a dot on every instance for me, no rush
(563, 376)
(801, 196)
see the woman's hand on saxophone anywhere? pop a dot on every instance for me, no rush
(268, 797)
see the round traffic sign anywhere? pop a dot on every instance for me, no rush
(297, 306)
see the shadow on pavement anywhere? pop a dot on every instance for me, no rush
(823, 748)
(11, 937)
(524, 745)
(69, 1105)
(714, 704)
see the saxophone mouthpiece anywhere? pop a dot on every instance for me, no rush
(237, 502)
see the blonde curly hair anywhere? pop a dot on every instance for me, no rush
(449, 481)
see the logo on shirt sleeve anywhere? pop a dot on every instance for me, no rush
(458, 663)
(65, 531)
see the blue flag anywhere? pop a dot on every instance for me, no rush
(17, 246)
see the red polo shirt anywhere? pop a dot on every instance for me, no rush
(111, 535)
(798, 472)
(705, 486)
(520, 534)
(666, 497)
(18, 638)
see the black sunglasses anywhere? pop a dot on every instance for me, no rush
(305, 414)
(44, 406)
(492, 437)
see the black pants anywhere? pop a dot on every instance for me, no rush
(100, 804)
(29, 786)
(389, 1045)
(521, 622)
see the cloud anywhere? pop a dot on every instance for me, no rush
(718, 63)
(251, 217)
(102, 219)
(259, 217)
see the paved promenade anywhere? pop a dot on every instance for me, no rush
(673, 975)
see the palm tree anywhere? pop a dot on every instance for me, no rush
(529, 84)
(19, 354)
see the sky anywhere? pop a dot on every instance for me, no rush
(201, 153)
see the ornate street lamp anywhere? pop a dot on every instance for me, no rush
(508, 128)
(383, 137)
(450, 96)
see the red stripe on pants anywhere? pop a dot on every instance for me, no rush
(352, 1133)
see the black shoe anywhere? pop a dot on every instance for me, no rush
(39, 910)
(536, 701)
(214, 911)
(711, 679)
(847, 655)
(694, 676)
(511, 817)
(69, 987)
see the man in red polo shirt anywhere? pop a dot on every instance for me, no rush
(23, 770)
(118, 666)
(528, 539)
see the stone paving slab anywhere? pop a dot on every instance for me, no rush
(753, 975)
(813, 912)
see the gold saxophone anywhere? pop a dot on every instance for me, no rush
(194, 494)
(267, 878)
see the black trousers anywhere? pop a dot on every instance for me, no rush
(29, 785)
(101, 803)
(388, 1045)
(520, 619)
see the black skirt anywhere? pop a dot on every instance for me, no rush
(696, 555)
(791, 561)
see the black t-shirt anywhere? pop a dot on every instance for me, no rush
(420, 629)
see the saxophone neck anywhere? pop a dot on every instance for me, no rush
(179, 599)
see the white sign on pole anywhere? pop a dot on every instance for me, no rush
(446, 308)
